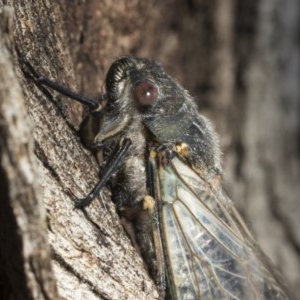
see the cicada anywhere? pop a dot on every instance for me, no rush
(166, 166)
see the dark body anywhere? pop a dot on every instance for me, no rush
(187, 229)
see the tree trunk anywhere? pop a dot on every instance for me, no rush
(92, 258)
(239, 58)
(26, 271)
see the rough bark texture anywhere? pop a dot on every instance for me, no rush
(239, 58)
(26, 271)
(92, 256)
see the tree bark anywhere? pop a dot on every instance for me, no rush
(92, 257)
(26, 270)
(241, 61)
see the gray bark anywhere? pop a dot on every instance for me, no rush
(26, 271)
(92, 258)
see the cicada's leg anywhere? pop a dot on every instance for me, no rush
(157, 267)
(94, 105)
(165, 152)
(139, 208)
(148, 238)
(112, 164)
(91, 103)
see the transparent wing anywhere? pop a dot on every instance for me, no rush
(209, 251)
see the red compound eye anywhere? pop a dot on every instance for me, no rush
(145, 93)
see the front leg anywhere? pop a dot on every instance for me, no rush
(112, 164)
(136, 203)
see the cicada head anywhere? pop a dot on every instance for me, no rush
(139, 89)
(142, 98)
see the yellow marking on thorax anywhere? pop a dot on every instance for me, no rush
(149, 203)
(182, 149)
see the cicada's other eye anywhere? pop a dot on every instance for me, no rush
(145, 93)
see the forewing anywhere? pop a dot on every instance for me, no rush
(209, 251)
